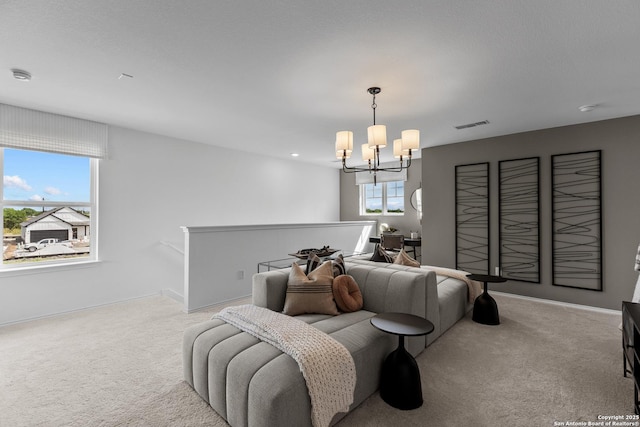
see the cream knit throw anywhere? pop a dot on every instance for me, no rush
(326, 365)
(475, 288)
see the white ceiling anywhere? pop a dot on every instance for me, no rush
(282, 76)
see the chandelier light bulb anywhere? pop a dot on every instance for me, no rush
(411, 139)
(344, 141)
(377, 136)
(397, 148)
(368, 153)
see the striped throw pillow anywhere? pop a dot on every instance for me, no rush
(312, 293)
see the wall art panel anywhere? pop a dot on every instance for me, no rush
(472, 218)
(577, 220)
(519, 219)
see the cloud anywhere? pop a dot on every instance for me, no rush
(53, 191)
(36, 198)
(16, 182)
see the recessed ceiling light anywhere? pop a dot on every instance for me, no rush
(294, 154)
(586, 108)
(23, 76)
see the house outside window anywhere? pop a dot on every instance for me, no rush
(384, 198)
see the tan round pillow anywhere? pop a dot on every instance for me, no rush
(347, 293)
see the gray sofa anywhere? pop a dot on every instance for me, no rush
(251, 383)
(447, 299)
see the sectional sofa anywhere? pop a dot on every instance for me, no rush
(251, 383)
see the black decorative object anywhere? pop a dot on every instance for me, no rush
(472, 218)
(485, 308)
(519, 219)
(400, 384)
(325, 251)
(577, 220)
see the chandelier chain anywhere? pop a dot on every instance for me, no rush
(373, 107)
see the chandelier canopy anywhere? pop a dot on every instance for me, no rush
(377, 139)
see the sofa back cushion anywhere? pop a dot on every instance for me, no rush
(400, 289)
(390, 290)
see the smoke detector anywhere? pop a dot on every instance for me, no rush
(587, 108)
(23, 76)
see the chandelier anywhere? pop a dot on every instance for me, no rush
(377, 139)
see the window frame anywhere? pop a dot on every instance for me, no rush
(385, 195)
(92, 205)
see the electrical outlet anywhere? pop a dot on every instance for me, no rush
(240, 274)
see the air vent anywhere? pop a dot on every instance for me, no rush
(472, 125)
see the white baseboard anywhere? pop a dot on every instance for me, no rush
(225, 302)
(561, 303)
(47, 316)
(173, 295)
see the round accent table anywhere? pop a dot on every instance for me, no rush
(485, 308)
(400, 377)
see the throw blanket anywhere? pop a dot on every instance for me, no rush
(475, 288)
(326, 365)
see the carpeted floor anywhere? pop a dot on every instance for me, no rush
(121, 365)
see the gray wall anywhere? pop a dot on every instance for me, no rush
(350, 197)
(619, 140)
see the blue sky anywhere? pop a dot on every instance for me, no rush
(35, 175)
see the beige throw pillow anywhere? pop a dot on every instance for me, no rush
(404, 259)
(311, 293)
(347, 293)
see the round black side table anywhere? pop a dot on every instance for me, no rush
(485, 308)
(400, 377)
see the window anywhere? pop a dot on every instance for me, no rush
(47, 204)
(385, 198)
(49, 195)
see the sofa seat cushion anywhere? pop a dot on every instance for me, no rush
(242, 377)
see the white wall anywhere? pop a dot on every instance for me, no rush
(221, 260)
(149, 187)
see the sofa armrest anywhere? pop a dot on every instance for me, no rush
(270, 289)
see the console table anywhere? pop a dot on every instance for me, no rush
(277, 264)
(485, 308)
(631, 353)
(400, 383)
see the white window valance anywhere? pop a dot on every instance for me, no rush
(382, 176)
(28, 129)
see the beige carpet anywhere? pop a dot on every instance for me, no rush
(120, 365)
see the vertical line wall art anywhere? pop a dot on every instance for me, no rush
(519, 219)
(577, 220)
(472, 218)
